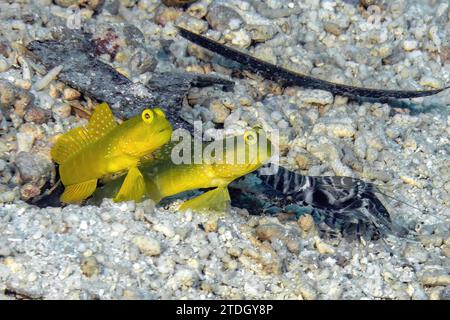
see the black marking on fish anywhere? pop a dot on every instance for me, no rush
(287, 77)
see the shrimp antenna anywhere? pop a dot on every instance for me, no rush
(426, 211)
(400, 201)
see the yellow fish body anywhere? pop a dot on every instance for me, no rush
(86, 154)
(163, 178)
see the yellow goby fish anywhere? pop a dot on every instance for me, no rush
(86, 154)
(163, 178)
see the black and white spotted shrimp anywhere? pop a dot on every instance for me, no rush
(346, 204)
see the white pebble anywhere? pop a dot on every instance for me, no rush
(239, 38)
(32, 277)
(283, 124)
(341, 130)
(442, 8)
(316, 97)
(62, 110)
(166, 230)
(118, 228)
(185, 278)
(4, 64)
(21, 83)
(433, 33)
(165, 265)
(188, 216)
(276, 116)
(147, 245)
(435, 279)
(340, 169)
(37, 235)
(45, 81)
(409, 45)
(431, 82)
(84, 225)
(24, 141)
(253, 288)
(7, 196)
(234, 24)
(26, 71)
(2, 164)
(323, 248)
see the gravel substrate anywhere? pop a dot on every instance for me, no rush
(137, 251)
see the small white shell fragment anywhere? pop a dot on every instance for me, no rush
(410, 45)
(4, 64)
(323, 247)
(433, 33)
(51, 75)
(26, 71)
(24, 142)
(165, 229)
(21, 83)
(70, 94)
(431, 82)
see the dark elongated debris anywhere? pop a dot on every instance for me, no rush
(86, 73)
(287, 77)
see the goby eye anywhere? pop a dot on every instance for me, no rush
(147, 115)
(250, 137)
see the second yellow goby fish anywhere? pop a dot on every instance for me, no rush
(86, 154)
(163, 178)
